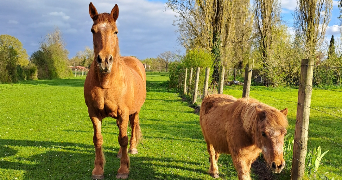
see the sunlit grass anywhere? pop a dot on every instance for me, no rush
(46, 132)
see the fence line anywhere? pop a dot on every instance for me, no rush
(299, 143)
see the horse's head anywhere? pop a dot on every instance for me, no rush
(270, 132)
(105, 40)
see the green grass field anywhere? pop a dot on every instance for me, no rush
(46, 133)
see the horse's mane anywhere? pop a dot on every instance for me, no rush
(245, 109)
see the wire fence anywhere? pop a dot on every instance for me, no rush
(334, 114)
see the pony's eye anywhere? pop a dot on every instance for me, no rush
(263, 134)
(92, 30)
(115, 32)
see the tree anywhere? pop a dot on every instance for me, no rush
(267, 20)
(167, 57)
(204, 24)
(83, 58)
(52, 57)
(10, 41)
(331, 51)
(8, 64)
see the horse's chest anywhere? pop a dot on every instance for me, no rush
(106, 103)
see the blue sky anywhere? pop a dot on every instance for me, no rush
(145, 26)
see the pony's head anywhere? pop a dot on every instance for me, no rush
(105, 40)
(270, 132)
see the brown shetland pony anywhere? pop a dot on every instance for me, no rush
(243, 128)
(115, 87)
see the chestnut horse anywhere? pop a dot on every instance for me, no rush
(243, 128)
(115, 87)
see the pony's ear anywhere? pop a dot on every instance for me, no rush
(92, 10)
(115, 12)
(284, 111)
(261, 113)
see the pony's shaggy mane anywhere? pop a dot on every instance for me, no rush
(246, 109)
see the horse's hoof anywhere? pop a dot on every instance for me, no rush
(216, 175)
(133, 151)
(94, 177)
(121, 176)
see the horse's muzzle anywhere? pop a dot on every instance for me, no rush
(104, 65)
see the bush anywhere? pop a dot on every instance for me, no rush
(194, 58)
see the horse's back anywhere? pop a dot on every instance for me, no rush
(213, 120)
(135, 65)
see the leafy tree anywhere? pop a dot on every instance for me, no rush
(331, 51)
(10, 41)
(83, 58)
(52, 57)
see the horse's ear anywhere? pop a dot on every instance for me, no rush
(284, 111)
(261, 113)
(92, 10)
(115, 12)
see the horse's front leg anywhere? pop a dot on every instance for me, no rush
(122, 123)
(99, 156)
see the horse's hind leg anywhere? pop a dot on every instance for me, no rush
(213, 157)
(136, 133)
(99, 156)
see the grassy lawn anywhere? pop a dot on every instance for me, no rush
(46, 132)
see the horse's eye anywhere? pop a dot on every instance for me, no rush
(115, 32)
(92, 30)
(263, 134)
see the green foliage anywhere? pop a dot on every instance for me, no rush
(52, 58)
(314, 158)
(8, 64)
(10, 41)
(83, 58)
(194, 58)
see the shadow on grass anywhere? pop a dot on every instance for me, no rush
(57, 82)
(75, 161)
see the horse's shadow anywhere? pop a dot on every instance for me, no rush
(75, 161)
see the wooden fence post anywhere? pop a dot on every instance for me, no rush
(190, 79)
(185, 78)
(196, 86)
(302, 120)
(247, 80)
(220, 91)
(206, 82)
(75, 72)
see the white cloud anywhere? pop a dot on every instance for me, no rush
(61, 14)
(289, 4)
(13, 22)
(333, 30)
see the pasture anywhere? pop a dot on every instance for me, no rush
(46, 132)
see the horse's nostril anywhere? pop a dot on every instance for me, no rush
(274, 166)
(98, 59)
(280, 166)
(110, 58)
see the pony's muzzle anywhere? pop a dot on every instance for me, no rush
(277, 168)
(105, 64)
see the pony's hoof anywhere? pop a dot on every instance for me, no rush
(121, 176)
(94, 177)
(133, 151)
(216, 175)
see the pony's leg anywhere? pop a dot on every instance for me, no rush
(136, 133)
(213, 156)
(242, 167)
(99, 156)
(123, 141)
